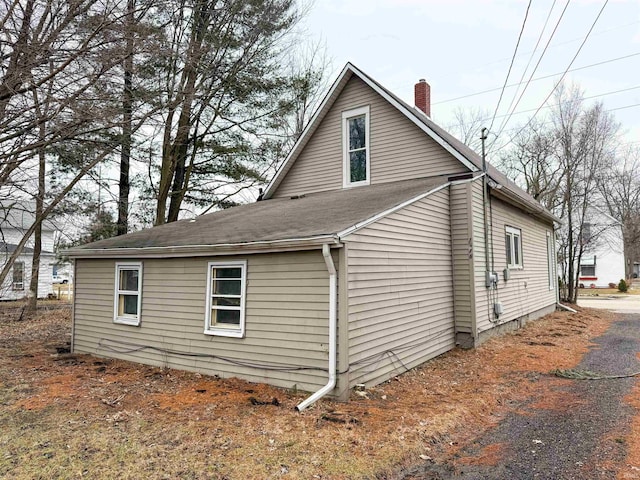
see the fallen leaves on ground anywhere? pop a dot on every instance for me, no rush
(71, 416)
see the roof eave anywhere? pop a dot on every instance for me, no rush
(515, 199)
(244, 248)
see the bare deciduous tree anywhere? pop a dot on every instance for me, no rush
(561, 164)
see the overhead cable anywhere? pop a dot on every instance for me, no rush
(561, 78)
(512, 107)
(513, 58)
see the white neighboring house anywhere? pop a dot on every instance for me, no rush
(14, 222)
(602, 262)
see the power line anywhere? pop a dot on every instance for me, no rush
(513, 58)
(551, 121)
(495, 62)
(541, 78)
(622, 108)
(504, 123)
(563, 75)
(613, 92)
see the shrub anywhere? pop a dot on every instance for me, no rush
(622, 286)
(612, 285)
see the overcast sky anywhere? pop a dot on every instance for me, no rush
(465, 47)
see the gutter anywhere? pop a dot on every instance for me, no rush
(333, 328)
(201, 250)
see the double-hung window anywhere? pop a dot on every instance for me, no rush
(513, 243)
(128, 293)
(355, 134)
(18, 276)
(551, 261)
(226, 286)
(588, 266)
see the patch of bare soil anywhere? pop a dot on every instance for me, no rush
(72, 416)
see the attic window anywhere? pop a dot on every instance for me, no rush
(355, 134)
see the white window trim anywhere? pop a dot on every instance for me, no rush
(127, 319)
(226, 332)
(551, 261)
(515, 232)
(17, 286)
(346, 164)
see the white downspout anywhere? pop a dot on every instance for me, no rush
(333, 327)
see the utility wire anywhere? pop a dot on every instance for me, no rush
(504, 122)
(452, 126)
(503, 60)
(584, 67)
(513, 58)
(561, 78)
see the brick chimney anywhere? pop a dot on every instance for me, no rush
(422, 92)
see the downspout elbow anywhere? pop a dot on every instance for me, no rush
(333, 324)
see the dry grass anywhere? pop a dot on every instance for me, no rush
(72, 416)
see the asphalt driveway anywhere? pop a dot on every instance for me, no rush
(577, 432)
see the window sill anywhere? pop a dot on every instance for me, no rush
(219, 332)
(357, 184)
(133, 322)
(515, 267)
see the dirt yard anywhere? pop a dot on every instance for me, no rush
(75, 416)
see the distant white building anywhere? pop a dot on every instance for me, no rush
(14, 222)
(602, 262)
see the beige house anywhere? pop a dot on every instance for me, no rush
(379, 244)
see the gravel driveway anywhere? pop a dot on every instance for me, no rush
(578, 433)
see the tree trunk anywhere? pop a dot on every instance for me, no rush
(37, 247)
(127, 107)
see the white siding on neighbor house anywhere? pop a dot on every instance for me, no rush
(528, 289)
(14, 236)
(607, 247)
(286, 317)
(45, 286)
(462, 252)
(11, 235)
(399, 288)
(399, 149)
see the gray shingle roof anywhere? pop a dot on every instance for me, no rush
(11, 247)
(313, 215)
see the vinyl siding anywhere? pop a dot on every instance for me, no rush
(286, 317)
(45, 286)
(399, 149)
(527, 290)
(399, 288)
(462, 257)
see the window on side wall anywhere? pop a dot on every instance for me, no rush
(355, 134)
(128, 293)
(551, 261)
(513, 243)
(587, 270)
(226, 287)
(18, 276)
